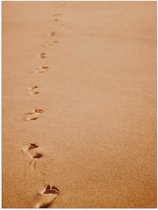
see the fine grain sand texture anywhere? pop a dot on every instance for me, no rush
(79, 104)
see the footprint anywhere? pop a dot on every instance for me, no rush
(33, 163)
(41, 69)
(46, 196)
(52, 34)
(34, 115)
(56, 19)
(32, 155)
(33, 90)
(43, 55)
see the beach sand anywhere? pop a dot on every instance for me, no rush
(86, 73)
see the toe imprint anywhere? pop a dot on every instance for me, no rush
(38, 110)
(48, 189)
(55, 188)
(32, 146)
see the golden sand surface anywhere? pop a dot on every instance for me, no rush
(79, 81)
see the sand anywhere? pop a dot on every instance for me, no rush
(94, 68)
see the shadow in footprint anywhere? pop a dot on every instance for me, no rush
(56, 20)
(52, 34)
(46, 196)
(37, 155)
(43, 55)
